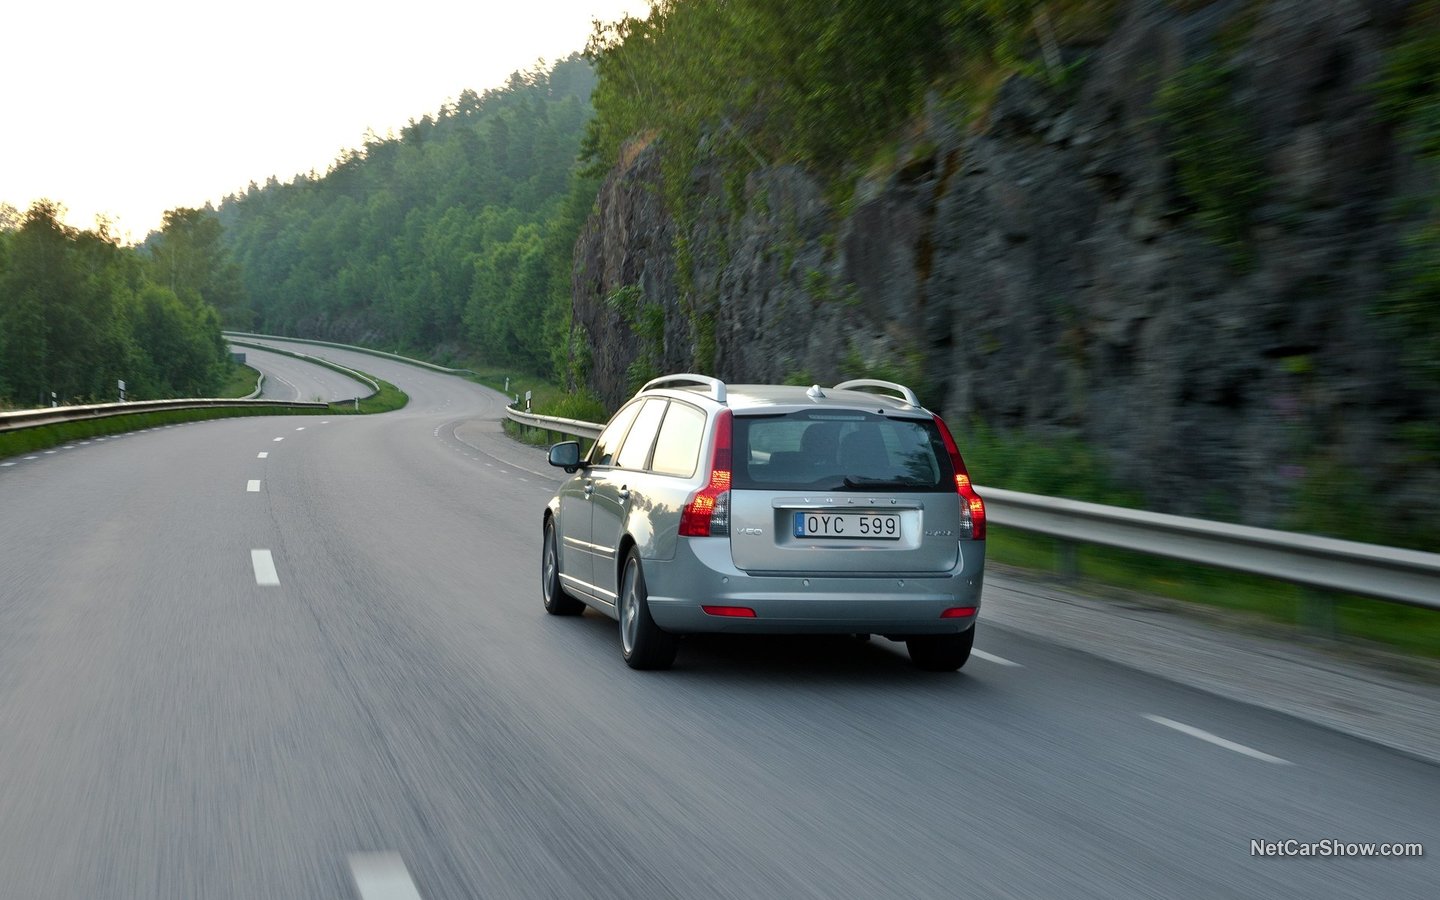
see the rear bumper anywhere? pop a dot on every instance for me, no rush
(702, 574)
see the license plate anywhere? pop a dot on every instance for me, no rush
(864, 526)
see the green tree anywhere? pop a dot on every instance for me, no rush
(190, 259)
(438, 237)
(78, 313)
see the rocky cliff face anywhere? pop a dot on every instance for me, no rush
(1049, 269)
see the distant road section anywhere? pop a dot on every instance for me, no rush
(288, 378)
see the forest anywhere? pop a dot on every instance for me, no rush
(453, 237)
(80, 313)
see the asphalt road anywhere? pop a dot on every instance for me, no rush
(288, 378)
(397, 716)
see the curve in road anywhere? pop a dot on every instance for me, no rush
(306, 657)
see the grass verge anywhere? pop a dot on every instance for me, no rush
(388, 398)
(1396, 626)
(241, 382)
(44, 437)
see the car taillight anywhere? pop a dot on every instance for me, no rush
(972, 508)
(707, 512)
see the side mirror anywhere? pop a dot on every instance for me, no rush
(566, 455)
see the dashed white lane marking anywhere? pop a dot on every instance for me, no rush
(264, 563)
(49, 452)
(262, 455)
(28, 458)
(252, 487)
(84, 443)
(382, 876)
(301, 428)
(1217, 740)
(6, 465)
(325, 423)
(998, 660)
(280, 439)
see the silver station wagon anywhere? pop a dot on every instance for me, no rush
(769, 509)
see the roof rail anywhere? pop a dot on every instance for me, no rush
(717, 387)
(901, 390)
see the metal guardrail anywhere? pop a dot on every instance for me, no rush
(573, 427)
(259, 388)
(241, 336)
(1352, 567)
(30, 418)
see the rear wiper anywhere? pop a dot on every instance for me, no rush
(879, 483)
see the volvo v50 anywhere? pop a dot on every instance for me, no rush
(769, 509)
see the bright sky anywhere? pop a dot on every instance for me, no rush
(129, 109)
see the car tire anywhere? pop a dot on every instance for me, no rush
(941, 652)
(557, 601)
(643, 643)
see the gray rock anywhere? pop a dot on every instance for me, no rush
(1044, 272)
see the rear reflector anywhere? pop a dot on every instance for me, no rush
(958, 612)
(735, 612)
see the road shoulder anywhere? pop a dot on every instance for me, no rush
(1390, 700)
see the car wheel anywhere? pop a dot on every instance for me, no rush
(941, 652)
(643, 643)
(557, 602)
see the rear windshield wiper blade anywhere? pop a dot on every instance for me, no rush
(880, 483)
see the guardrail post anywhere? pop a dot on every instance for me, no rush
(1317, 613)
(1068, 553)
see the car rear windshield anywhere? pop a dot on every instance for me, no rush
(842, 451)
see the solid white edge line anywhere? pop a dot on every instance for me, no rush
(998, 660)
(252, 486)
(264, 563)
(382, 876)
(1217, 740)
